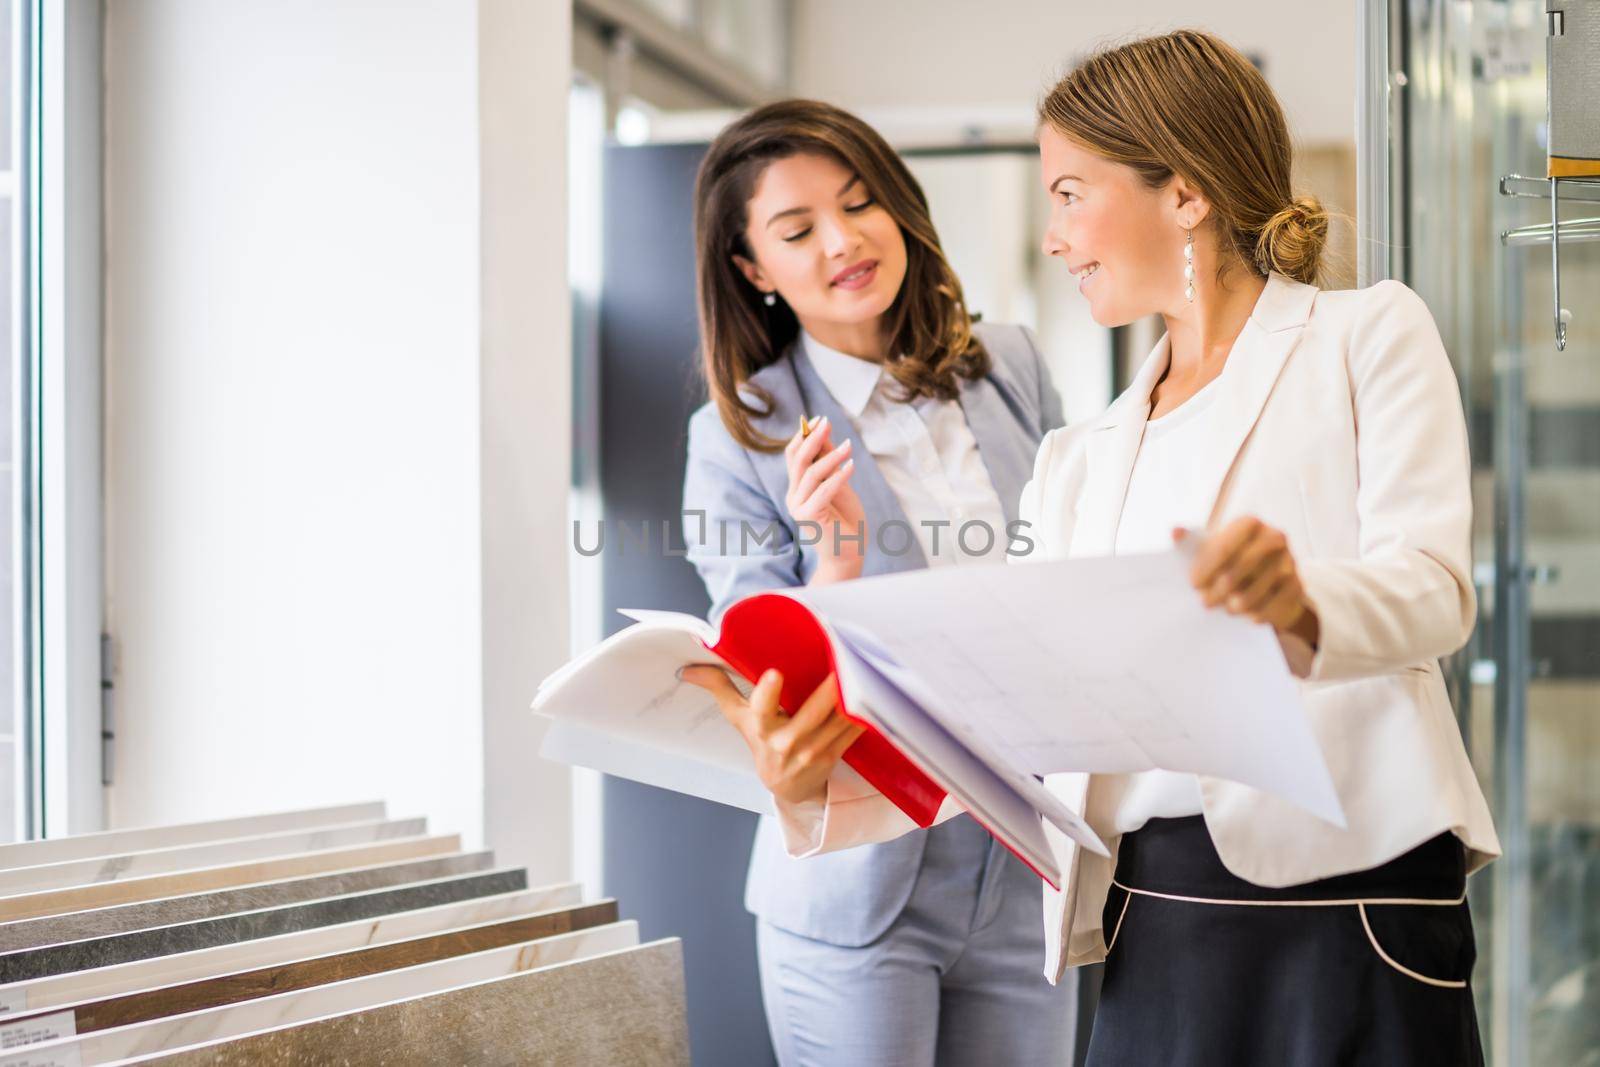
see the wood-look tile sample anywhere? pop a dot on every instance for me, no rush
(205, 854)
(138, 839)
(101, 922)
(101, 982)
(249, 925)
(178, 999)
(622, 1008)
(79, 898)
(356, 994)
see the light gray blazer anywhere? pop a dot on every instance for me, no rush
(851, 897)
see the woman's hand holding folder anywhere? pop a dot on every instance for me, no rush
(794, 754)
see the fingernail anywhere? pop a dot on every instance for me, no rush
(1235, 603)
(849, 463)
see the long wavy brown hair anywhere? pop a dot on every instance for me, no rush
(929, 331)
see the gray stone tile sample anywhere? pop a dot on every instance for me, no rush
(120, 918)
(621, 1008)
(243, 926)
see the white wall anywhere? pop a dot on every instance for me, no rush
(526, 432)
(292, 439)
(947, 57)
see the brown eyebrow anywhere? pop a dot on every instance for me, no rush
(786, 213)
(1064, 178)
(855, 180)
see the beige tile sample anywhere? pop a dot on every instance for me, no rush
(138, 839)
(205, 854)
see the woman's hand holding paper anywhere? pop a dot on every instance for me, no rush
(1246, 569)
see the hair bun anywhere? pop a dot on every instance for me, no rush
(1292, 240)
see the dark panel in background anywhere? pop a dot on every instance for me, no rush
(677, 864)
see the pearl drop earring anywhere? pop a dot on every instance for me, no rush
(771, 299)
(1188, 268)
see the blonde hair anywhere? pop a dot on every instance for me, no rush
(1189, 103)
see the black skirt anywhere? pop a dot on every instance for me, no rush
(1197, 983)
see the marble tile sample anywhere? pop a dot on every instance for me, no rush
(145, 1005)
(100, 922)
(95, 1045)
(78, 898)
(50, 960)
(620, 1008)
(206, 854)
(102, 982)
(138, 839)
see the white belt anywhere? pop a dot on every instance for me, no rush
(1359, 903)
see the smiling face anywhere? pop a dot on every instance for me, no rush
(1122, 239)
(821, 242)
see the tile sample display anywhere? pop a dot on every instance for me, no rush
(328, 936)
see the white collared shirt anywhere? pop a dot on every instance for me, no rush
(926, 453)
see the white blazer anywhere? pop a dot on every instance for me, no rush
(1338, 422)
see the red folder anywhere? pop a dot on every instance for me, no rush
(771, 631)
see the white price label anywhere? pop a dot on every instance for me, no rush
(37, 1029)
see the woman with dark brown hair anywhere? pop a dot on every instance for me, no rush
(861, 423)
(1317, 439)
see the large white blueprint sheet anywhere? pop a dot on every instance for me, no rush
(1107, 665)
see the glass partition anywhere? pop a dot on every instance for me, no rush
(1471, 78)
